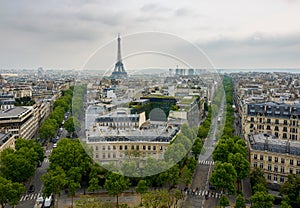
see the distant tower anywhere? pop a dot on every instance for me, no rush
(119, 71)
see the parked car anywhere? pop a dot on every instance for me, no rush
(55, 145)
(48, 202)
(31, 189)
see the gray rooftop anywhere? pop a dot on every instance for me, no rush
(17, 111)
(267, 142)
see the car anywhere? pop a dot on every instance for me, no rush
(39, 164)
(48, 202)
(31, 189)
(55, 145)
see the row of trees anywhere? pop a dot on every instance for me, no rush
(230, 154)
(69, 164)
(17, 166)
(60, 107)
(261, 197)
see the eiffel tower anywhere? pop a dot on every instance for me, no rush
(119, 71)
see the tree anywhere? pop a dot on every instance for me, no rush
(197, 147)
(285, 203)
(224, 201)
(240, 202)
(174, 153)
(191, 163)
(15, 167)
(30, 144)
(221, 152)
(54, 181)
(70, 154)
(169, 177)
(72, 124)
(10, 192)
(142, 188)
(156, 198)
(185, 176)
(224, 177)
(92, 203)
(256, 177)
(261, 200)
(241, 166)
(178, 196)
(291, 188)
(116, 184)
(72, 187)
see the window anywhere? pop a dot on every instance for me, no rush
(96, 147)
(284, 129)
(282, 160)
(125, 147)
(252, 119)
(275, 168)
(269, 167)
(114, 147)
(103, 147)
(132, 147)
(154, 147)
(121, 147)
(108, 147)
(284, 136)
(276, 128)
(103, 155)
(270, 158)
(144, 147)
(298, 171)
(269, 177)
(275, 178)
(255, 156)
(268, 127)
(255, 164)
(261, 157)
(276, 121)
(291, 162)
(291, 170)
(281, 179)
(285, 122)
(268, 120)
(160, 148)
(276, 134)
(282, 169)
(137, 147)
(114, 155)
(261, 165)
(276, 159)
(108, 155)
(298, 162)
(97, 156)
(149, 147)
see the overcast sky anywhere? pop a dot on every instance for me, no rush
(232, 33)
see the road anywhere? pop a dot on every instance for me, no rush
(28, 199)
(202, 196)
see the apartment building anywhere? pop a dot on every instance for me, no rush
(277, 158)
(268, 118)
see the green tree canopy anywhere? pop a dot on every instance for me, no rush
(10, 192)
(224, 177)
(240, 202)
(291, 188)
(115, 184)
(261, 200)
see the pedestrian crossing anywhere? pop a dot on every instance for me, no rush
(28, 197)
(203, 193)
(205, 162)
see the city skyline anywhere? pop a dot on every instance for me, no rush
(234, 34)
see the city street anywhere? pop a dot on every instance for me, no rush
(204, 197)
